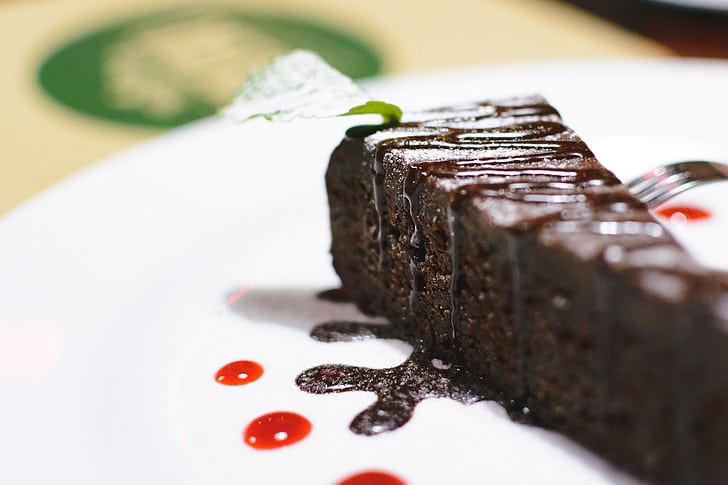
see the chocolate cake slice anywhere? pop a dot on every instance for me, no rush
(492, 235)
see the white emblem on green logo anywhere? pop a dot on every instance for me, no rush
(172, 67)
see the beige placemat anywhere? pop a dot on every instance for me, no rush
(83, 79)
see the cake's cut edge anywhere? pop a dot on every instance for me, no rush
(490, 233)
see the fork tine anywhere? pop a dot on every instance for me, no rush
(655, 182)
(663, 192)
(646, 179)
(664, 182)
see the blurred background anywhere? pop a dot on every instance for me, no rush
(82, 79)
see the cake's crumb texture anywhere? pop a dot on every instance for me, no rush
(490, 234)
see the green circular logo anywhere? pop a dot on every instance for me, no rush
(172, 67)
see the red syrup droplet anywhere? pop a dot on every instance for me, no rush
(239, 373)
(372, 478)
(276, 430)
(683, 214)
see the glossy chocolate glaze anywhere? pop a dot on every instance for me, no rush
(523, 153)
(513, 167)
(517, 160)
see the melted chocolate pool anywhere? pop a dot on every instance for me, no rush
(399, 389)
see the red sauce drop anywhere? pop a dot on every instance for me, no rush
(372, 478)
(239, 373)
(683, 213)
(276, 430)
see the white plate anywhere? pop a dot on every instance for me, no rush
(113, 290)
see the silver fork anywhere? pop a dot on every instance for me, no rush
(666, 181)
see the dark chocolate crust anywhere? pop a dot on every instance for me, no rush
(492, 234)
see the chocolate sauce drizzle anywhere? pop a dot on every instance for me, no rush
(398, 389)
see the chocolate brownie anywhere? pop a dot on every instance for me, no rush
(492, 235)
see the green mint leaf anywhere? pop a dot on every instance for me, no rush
(296, 85)
(302, 85)
(389, 112)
